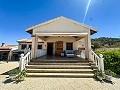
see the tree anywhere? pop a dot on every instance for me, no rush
(96, 45)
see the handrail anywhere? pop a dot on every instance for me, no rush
(24, 60)
(98, 60)
(26, 54)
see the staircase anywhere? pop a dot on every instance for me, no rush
(61, 68)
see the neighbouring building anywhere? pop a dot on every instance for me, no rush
(8, 52)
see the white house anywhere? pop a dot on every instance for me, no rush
(57, 48)
(61, 34)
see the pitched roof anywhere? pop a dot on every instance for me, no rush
(8, 47)
(5, 47)
(70, 20)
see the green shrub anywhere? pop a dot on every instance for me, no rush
(110, 73)
(111, 60)
(15, 71)
(98, 73)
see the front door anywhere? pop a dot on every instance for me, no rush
(59, 47)
(49, 48)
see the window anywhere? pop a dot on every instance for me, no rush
(39, 46)
(69, 46)
(30, 46)
(23, 46)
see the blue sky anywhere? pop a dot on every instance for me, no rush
(17, 15)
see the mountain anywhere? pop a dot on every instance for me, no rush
(106, 42)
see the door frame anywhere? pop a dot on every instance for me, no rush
(47, 47)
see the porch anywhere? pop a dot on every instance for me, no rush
(58, 58)
(54, 45)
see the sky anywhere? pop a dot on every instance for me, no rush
(17, 15)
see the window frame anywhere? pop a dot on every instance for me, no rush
(38, 47)
(67, 45)
(24, 47)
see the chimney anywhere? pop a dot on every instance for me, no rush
(2, 44)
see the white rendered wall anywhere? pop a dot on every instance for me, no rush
(60, 26)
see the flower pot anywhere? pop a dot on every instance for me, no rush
(109, 78)
(99, 77)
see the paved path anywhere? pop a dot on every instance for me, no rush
(55, 83)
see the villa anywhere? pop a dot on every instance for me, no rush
(59, 47)
(57, 35)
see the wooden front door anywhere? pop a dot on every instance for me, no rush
(59, 47)
(49, 48)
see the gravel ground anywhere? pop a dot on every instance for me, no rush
(53, 83)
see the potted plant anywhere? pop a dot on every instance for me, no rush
(109, 74)
(99, 75)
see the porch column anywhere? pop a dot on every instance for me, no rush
(88, 47)
(34, 46)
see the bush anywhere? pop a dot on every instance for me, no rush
(110, 73)
(98, 73)
(111, 60)
(15, 71)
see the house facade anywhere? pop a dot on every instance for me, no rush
(58, 35)
(8, 52)
(60, 47)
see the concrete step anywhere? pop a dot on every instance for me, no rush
(59, 71)
(59, 67)
(67, 75)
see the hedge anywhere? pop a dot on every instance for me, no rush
(111, 59)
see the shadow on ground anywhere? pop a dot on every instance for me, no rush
(11, 81)
(103, 81)
(118, 76)
(6, 73)
(7, 80)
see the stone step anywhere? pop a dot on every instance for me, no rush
(59, 71)
(60, 67)
(41, 63)
(67, 75)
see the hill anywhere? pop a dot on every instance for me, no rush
(105, 42)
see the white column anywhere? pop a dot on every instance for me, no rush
(21, 62)
(101, 63)
(34, 46)
(88, 46)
